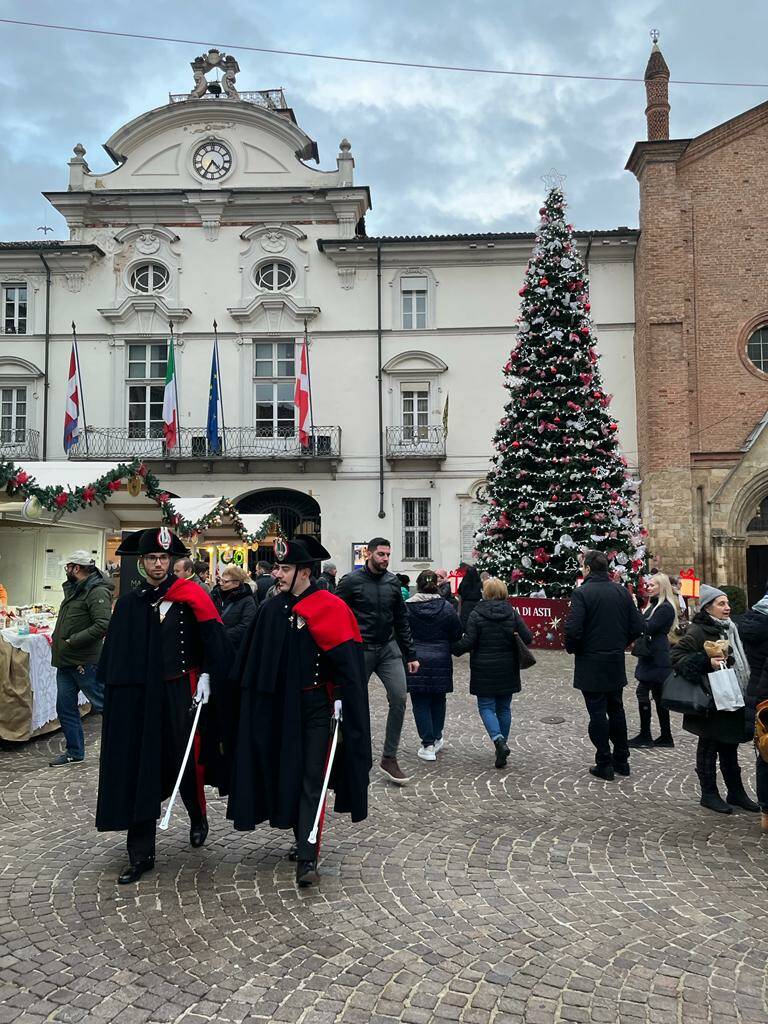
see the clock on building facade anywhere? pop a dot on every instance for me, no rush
(212, 160)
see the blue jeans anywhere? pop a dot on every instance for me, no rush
(496, 713)
(69, 682)
(429, 715)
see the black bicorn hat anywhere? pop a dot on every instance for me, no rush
(299, 551)
(153, 541)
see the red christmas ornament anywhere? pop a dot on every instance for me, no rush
(523, 290)
(516, 574)
(142, 470)
(585, 331)
(543, 281)
(586, 380)
(540, 555)
(89, 493)
(163, 497)
(515, 444)
(61, 499)
(114, 485)
(613, 426)
(20, 479)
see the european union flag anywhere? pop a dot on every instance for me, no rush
(212, 430)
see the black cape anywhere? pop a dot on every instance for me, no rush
(278, 660)
(130, 785)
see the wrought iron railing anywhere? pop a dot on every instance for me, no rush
(272, 99)
(415, 443)
(233, 443)
(19, 444)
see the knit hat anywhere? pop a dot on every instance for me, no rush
(709, 594)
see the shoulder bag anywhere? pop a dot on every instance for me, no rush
(641, 648)
(524, 655)
(686, 698)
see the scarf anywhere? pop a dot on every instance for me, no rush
(761, 606)
(741, 666)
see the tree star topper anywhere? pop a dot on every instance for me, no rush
(553, 179)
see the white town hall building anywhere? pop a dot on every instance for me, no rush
(214, 210)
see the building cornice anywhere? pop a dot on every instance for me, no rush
(666, 151)
(470, 250)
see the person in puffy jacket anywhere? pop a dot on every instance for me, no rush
(719, 732)
(660, 615)
(435, 627)
(236, 602)
(494, 663)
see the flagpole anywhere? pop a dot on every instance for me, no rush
(176, 391)
(218, 387)
(80, 391)
(309, 388)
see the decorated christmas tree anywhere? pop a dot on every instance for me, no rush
(559, 483)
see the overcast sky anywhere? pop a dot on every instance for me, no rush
(441, 151)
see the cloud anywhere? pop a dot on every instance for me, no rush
(441, 151)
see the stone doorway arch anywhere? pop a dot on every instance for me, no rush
(298, 513)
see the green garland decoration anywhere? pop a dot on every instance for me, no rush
(19, 484)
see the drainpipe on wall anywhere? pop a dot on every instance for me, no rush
(47, 351)
(382, 513)
(705, 574)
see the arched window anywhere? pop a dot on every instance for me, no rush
(149, 277)
(275, 276)
(759, 524)
(757, 348)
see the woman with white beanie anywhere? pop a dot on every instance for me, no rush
(719, 732)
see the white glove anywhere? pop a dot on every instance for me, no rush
(337, 709)
(203, 689)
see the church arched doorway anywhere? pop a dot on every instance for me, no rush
(757, 554)
(298, 513)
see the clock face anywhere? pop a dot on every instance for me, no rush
(212, 160)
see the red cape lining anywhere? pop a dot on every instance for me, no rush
(329, 619)
(191, 593)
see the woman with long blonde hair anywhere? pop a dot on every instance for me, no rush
(654, 664)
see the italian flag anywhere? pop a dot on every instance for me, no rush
(170, 406)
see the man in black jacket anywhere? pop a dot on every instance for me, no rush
(264, 580)
(374, 595)
(603, 620)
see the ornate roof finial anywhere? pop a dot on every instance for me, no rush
(655, 36)
(553, 179)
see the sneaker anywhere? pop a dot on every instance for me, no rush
(392, 770)
(64, 758)
(439, 744)
(427, 753)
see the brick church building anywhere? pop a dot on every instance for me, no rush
(701, 342)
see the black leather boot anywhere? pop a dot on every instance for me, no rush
(306, 873)
(706, 769)
(736, 795)
(198, 833)
(665, 739)
(502, 752)
(134, 871)
(643, 738)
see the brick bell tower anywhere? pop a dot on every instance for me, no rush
(661, 341)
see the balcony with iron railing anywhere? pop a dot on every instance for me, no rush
(239, 443)
(19, 444)
(416, 442)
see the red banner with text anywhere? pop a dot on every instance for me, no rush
(545, 618)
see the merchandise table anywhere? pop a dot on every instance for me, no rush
(27, 686)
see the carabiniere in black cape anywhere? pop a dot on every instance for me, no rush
(284, 653)
(130, 787)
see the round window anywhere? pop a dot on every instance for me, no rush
(275, 276)
(757, 348)
(149, 277)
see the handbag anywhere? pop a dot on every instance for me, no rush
(687, 698)
(524, 656)
(725, 689)
(761, 729)
(641, 648)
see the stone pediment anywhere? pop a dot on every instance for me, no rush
(274, 313)
(145, 314)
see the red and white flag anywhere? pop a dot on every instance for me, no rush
(301, 397)
(72, 407)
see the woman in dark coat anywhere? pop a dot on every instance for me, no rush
(435, 627)
(494, 663)
(719, 732)
(660, 616)
(236, 600)
(753, 630)
(470, 594)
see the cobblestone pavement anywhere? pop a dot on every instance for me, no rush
(533, 894)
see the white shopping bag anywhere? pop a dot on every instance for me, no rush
(725, 689)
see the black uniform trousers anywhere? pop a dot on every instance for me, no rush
(316, 713)
(176, 724)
